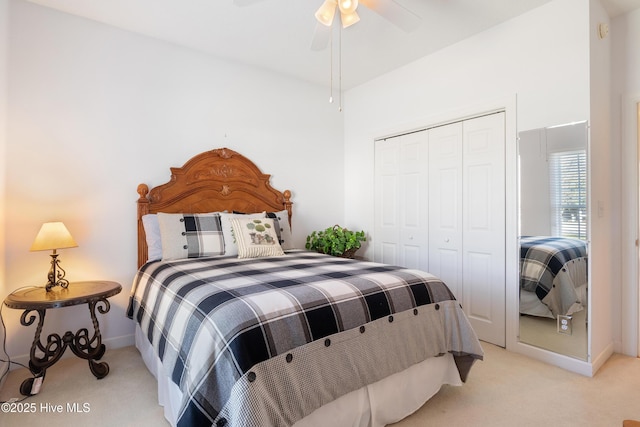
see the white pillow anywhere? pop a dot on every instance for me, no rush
(256, 237)
(230, 246)
(190, 235)
(152, 236)
(283, 229)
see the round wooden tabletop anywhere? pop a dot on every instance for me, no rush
(37, 297)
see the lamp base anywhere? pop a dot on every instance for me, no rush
(56, 274)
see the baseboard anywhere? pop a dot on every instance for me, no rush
(588, 369)
(601, 359)
(565, 362)
(119, 342)
(115, 342)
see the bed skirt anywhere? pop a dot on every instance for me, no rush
(376, 405)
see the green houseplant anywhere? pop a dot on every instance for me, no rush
(336, 241)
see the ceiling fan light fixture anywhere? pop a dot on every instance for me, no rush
(347, 7)
(326, 12)
(349, 19)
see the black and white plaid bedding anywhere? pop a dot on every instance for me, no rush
(542, 258)
(236, 335)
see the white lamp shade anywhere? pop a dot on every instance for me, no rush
(327, 11)
(347, 6)
(52, 236)
(349, 19)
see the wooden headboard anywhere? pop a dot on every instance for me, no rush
(212, 181)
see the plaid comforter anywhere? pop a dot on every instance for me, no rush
(236, 335)
(542, 259)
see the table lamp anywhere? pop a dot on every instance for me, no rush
(53, 236)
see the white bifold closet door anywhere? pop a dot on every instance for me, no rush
(467, 218)
(462, 194)
(401, 231)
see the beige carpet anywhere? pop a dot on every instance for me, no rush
(505, 389)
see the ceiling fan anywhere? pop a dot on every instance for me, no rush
(388, 9)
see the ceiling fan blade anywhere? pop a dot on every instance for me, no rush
(243, 3)
(321, 37)
(394, 13)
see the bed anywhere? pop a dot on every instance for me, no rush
(553, 276)
(238, 334)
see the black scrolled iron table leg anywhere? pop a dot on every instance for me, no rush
(92, 348)
(52, 351)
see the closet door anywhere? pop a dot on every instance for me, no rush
(467, 218)
(401, 233)
(483, 223)
(445, 205)
(386, 245)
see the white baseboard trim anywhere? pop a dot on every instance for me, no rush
(581, 367)
(565, 362)
(601, 358)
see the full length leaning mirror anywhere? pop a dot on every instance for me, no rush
(553, 243)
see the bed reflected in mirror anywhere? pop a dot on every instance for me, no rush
(554, 280)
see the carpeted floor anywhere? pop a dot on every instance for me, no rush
(505, 389)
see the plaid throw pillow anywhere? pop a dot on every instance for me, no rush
(190, 235)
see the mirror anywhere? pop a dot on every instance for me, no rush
(553, 243)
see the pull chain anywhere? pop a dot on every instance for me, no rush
(331, 66)
(339, 61)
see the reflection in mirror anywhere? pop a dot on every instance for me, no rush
(552, 165)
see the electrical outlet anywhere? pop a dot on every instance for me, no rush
(565, 325)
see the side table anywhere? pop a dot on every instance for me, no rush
(93, 293)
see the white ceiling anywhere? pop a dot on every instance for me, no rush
(277, 34)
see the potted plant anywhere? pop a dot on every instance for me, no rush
(336, 241)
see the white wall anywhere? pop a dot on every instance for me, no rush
(4, 13)
(542, 59)
(625, 95)
(94, 111)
